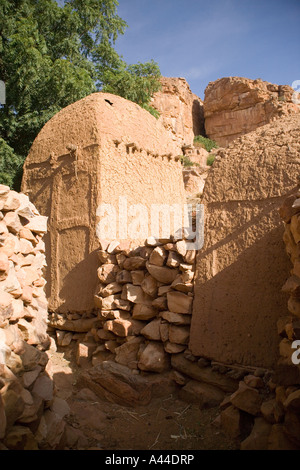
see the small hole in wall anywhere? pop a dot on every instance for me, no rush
(28, 319)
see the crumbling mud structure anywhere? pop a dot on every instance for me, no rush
(146, 316)
(242, 266)
(91, 153)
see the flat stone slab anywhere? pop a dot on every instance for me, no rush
(206, 374)
(117, 384)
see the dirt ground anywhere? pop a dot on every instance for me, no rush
(165, 424)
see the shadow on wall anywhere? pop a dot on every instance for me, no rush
(75, 281)
(264, 209)
(198, 118)
(238, 298)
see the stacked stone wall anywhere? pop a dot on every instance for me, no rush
(31, 416)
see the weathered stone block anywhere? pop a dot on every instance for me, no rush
(143, 312)
(152, 330)
(179, 334)
(20, 438)
(107, 273)
(158, 256)
(110, 289)
(179, 302)
(116, 384)
(124, 277)
(258, 439)
(173, 348)
(173, 260)
(135, 294)
(162, 273)
(127, 353)
(154, 358)
(149, 286)
(176, 318)
(247, 399)
(137, 277)
(206, 396)
(207, 375)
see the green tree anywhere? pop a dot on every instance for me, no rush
(52, 55)
(135, 82)
(10, 164)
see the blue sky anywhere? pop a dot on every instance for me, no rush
(206, 40)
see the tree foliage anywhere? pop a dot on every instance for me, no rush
(52, 55)
(10, 164)
(135, 82)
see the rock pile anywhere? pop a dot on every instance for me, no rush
(136, 342)
(31, 417)
(143, 304)
(234, 106)
(252, 415)
(139, 334)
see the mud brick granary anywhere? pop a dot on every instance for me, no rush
(91, 153)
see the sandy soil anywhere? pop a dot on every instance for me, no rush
(166, 423)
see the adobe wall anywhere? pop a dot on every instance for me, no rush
(273, 401)
(242, 266)
(92, 152)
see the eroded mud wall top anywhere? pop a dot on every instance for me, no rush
(94, 151)
(242, 266)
